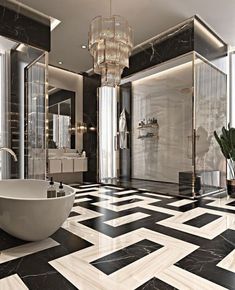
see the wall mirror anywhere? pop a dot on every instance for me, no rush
(61, 118)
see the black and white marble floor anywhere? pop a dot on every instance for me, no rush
(123, 239)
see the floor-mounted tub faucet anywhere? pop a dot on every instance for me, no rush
(10, 152)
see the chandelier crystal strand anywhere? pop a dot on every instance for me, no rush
(110, 44)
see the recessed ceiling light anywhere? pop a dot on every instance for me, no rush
(84, 46)
(60, 62)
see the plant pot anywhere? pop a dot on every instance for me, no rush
(231, 187)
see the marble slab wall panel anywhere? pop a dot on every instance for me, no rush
(24, 25)
(167, 97)
(210, 110)
(90, 145)
(208, 44)
(191, 35)
(125, 154)
(173, 43)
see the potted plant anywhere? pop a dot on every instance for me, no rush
(226, 142)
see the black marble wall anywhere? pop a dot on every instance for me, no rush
(125, 99)
(177, 41)
(22, 25)
(90, 144)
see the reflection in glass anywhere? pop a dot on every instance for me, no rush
(36, 91)
(60, 125)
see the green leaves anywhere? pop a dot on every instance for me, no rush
(226, 142)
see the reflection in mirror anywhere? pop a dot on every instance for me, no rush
(61, 119)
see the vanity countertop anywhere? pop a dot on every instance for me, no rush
(66, 157)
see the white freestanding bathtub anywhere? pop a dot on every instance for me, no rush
(27, 213)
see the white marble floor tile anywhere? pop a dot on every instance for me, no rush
(228, 263)
(26, 249)
(87, 233)
(184, 280)
(84, 214)
(126, 219)
(209, 231)
(223, 203)
(125, 192)
(161, 209)
(108, 204)
(12, 282)
(83, 275)
(89, 185)
(85, 189)
(82, 200)
(158, 195)
(114, 187)
(129, 277)
(181, 202)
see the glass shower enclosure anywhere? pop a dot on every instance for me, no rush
(187, 97)
(36, 99)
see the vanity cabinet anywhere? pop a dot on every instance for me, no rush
(67, 165)
(64, 165)
(80, 165)
(54, 165)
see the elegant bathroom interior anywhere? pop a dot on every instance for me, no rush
(117, 160)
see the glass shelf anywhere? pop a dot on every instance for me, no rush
(147, 126)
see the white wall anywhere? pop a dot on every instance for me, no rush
(66, 80)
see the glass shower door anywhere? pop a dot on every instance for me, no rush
(35, 116)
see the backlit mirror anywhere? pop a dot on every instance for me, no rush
(61, 118)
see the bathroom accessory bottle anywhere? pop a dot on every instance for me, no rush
(61, 191)
(51, 191)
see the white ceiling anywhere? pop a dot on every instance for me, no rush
(147, 17)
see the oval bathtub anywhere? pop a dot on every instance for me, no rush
(27, 213)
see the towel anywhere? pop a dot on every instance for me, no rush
(122, 130)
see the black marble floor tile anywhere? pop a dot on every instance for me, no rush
(147, 222)
(7, 241)
(124, 202)
(165, 202)
(73, 213)
(203, 262)
(202, 220)
(231, 203)
(156, 284)
(125, 256)
(86, 190)
(34, 269)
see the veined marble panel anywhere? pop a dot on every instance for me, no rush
(184, 280)
(12, 282)
(26, 249)
(126, 219)
(208, 231)
(228, 263)
(167, 97)
(181, 202)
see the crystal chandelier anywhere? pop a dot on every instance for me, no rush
(110, 44)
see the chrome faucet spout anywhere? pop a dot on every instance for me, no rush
(10, 152)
